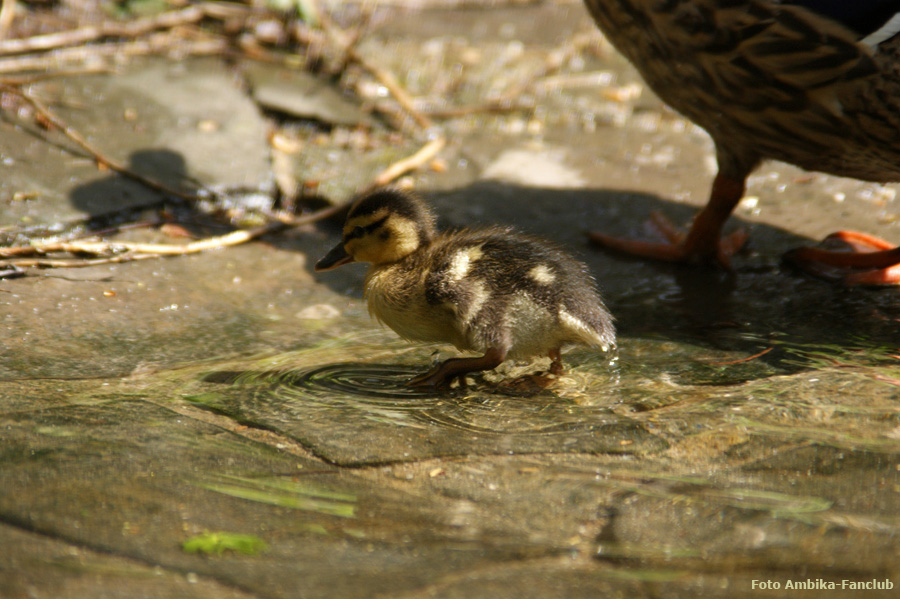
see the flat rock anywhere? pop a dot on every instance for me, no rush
(186, 124)
(303, 95)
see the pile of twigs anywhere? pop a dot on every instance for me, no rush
(209, 28)
(231, 30)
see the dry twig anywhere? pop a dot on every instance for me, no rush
(125, 251)
(82, 143)
(401, 167)
(385, 177)
(7, 14)
(385, 77)
(53, 49)
(156, 43)
(132, 29)
(742, 360)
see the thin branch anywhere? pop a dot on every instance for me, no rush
(98, 156)
(401, 167)
(742, 360)
(133, 250)
(49, 263)
(492, 107)
(318, 215)
(7, 14)
(351, 41)
(385, 77)
(132, 29)
(386, 176)
(37, 78)
(153, 44)
(389, 81)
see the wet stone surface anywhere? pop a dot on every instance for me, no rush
(747, 429)
(343, 411)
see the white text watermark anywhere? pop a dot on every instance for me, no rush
(820, 584)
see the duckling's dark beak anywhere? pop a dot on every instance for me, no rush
(338, 256)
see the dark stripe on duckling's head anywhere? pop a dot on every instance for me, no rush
(360, 231)
(397, 202)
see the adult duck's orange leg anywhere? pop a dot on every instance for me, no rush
(876, 261)
(703, 242)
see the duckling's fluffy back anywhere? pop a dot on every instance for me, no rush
(493, 288)
(512, 288)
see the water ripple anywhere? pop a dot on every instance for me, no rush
(378, 392)
(376, 382)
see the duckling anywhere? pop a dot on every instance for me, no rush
(493, 290)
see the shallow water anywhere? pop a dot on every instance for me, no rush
(843, 396)
(706, 465)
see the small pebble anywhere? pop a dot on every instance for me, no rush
(318, 312)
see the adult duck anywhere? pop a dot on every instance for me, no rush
(815, 83)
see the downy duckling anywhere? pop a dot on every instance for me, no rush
(493, 290)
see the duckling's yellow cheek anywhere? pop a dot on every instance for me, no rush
(361, 251)
(352, 248)
(368, 249)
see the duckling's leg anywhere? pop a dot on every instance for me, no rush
(703, 243)
(444, 373)
(556, 365)
(877, 261)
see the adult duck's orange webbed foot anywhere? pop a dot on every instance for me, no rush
(871, 260)
(696, 247)
(703, 243)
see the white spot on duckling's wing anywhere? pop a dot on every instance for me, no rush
(582, 329)
(479, 294)
(542, 274)
(462, 261)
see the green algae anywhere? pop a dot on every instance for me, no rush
(217, 543)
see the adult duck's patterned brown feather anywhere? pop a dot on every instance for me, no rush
(767, 81)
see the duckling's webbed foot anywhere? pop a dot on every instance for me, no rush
(869, 260)
(443, 374)
(532, 384)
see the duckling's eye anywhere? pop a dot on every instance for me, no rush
(356, 232)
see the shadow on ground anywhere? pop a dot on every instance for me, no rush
(759, 302)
